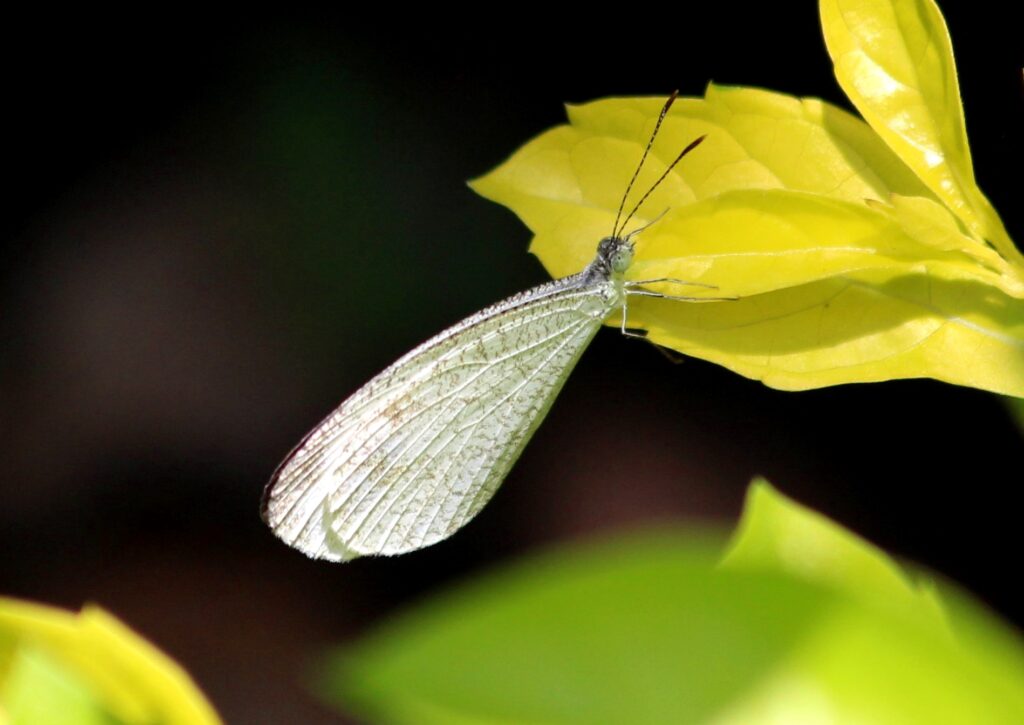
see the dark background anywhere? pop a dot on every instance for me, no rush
(217, 226)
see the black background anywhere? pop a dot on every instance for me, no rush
(216, 226)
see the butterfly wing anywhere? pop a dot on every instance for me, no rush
(415, 453)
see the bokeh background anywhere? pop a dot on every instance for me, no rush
(217, 226)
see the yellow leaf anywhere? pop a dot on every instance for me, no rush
(894, 60)
(750, 242)
(932, 224)
(861, 328)
(847, 269)
(763, 139)
(127, 676)
(567, 183)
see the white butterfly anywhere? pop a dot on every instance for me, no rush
(415, 453)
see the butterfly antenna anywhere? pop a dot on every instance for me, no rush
(693, 144)
(636, 173)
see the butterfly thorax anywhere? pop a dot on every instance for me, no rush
(614, 255)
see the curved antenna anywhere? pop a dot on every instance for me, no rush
(693, 144)
(651, 223)
(636, 173)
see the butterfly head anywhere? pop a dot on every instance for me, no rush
(615, 254)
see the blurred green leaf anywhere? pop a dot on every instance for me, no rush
(93, 663)
(1016, 406)
(651, 629)
(778, 534)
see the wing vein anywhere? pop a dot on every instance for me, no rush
(499, 440)
(413, 474)
(326, 454)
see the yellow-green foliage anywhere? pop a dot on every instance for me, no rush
(57, 667)
(859, 251)
(803, 622)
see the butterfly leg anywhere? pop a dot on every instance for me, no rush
(672, 356)
(672, 280)
(626, 331)
(636, 289)
(677, 298)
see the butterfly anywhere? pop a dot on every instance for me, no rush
(415, 454)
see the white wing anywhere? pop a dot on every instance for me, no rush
(415, 453)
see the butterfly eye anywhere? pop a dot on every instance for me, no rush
(622, 258)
